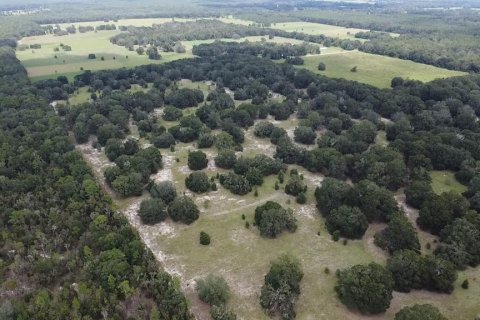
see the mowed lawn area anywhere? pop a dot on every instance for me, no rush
(445, 181)
(373, 69)
(318, 28)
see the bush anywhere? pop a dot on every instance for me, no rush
(419, 312)
(350, 222)
(366, 288)
(164, 190)
(171, 114)
(226, 159)
(213, 290)
(183, 209)
(221, 313)
(204, 238)
(271, 219)
(197, 160)
(263, 129)
(152, 211)
(301, 198)
(197, 182)
(237, 184)
(205, 140)
(282, 287)
(321, 66)
(399, 234)
(165, 140)
(465, 284)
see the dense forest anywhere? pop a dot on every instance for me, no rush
(65, 253)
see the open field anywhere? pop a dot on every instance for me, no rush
(374, 69)
(318, 28)
(445, 181)
(143, 22)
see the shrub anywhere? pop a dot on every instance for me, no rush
(183, 209)
(197, 182)
(419, 312)
(366, 288)
(205, 140)
(165, 140)
(263, 129)
(171, 114)
(226, 159)
(221, 313)
(152, 211)
(164, 190)
(204, 238)
(237, 184)
(295, 186)
(304, 135)
(399, 234)
(350, 222)
(213, 290)
(301, 198)
(321, 66)
(197, 160)
(465, 284)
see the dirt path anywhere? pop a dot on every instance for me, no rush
(251, 204)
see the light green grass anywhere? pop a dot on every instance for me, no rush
(144, 22)
(318, 28)
(80, 96)
(374, 69)
(445, 181)
(381, 138)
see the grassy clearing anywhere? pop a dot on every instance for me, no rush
(374, 69)
(318, 28)
(445, 181)
(80, 96)
(145, 22)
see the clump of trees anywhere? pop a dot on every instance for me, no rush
(348, 222)
(282, 287)
(198, 182)
(164, 190)
(183, 209)
(399, 235)
(152, 211)
(419, 311)
(197, 160)
(272, 219)
(237, 184)
(184, 97)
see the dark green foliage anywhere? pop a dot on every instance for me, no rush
(197, 182)
(213, 290)
(282, 287)
(399, 234)
(304, 135)
(419, 312)
(237, 184)
(171, 113)
(321, 66)
(327, 161)
(366, 288)
(331, 195)
(204, 238)
(349, 222)
(413, 271)
(460, 244)
(295, 186)
(152, 211)
(184, 98)
(263, 129)
(221, 313)
(183, 209)
(271, 219)
(197, 160)
(417, 192)
(165, 140)
(438, 211)
(205, 140)
(164, 190)
(226, 159)
(301, 198)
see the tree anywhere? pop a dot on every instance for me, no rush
(152, 211)
(171, 113)
(197, 182)
(164, 190)
(367, 288)
(272, 219)
(438, 211)
(128, 185)
(226, 159)
(165, 140)
(304, 135)
(204, 238)
(205, 140)
(350, 222)
(183, 209)
(321, 66)
(221, 313)
(237, 184)
(331, 195)
(282, 287)
(295, 186)
(213, 290)
(417, 192)
(92, 56)
(399, 234)
(197, 160)
(254, 176)
(419, 312)
(263, 129)
(153, 54)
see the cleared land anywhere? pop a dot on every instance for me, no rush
(445, 181)
(318, 28)
(374, 69)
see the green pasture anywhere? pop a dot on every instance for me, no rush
(445, 181)
(318, 28)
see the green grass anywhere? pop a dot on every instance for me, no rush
(80, 96)
(445, 181)
(318, 28)
(373, 69)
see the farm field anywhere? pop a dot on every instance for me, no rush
(374, 69)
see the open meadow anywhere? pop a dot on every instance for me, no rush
(373, 69)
